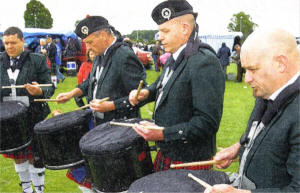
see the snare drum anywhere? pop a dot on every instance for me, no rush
(15, 128)
(177, 181)
(58, 139)
(116, 156)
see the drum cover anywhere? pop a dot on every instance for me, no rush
(116, 156)
(58, 138)
(177, 181)
(15, 130)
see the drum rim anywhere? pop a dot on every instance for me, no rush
(62, 167)
(16, 149)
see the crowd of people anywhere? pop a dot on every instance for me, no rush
(188, 97)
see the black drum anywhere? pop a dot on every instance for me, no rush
(177, 181)
(15, 130)
(116, 156)
(58, 139)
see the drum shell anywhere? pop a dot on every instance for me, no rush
(16, 132)
(115, 165)
(114, 172)
(60, 148)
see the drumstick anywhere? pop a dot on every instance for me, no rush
(132, 124)
(204, 184)
(139, 88)
(100, 101)
(45, 100)
(200, 163)
(22, 86)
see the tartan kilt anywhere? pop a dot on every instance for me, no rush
(162, 163)
(25, 153)
(83, 180)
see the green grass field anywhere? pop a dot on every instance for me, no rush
(238, 104)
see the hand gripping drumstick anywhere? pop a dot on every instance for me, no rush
(132, 124)
(100, 101)
(22, 86)
(139, 89)
(200, 163)
(204, 184)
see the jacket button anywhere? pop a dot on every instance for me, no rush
(124, 102)
(180, 132)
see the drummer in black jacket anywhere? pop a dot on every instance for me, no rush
(189, 93)
(116, 71)
(20, 67)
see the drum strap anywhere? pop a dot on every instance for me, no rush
(13, 78)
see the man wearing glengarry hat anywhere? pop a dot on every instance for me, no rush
(189, 93)
(116, 71)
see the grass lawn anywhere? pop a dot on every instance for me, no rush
(238, 104)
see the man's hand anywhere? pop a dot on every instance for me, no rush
(33, 90)
(225, 156)
(102, 107)
(64, 97)
(224, 188)
(143, 95)
(148, 134)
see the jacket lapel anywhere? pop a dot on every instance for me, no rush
(104, 72)
(259, 139)
(171, 81)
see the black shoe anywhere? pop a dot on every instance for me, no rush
(63, 80)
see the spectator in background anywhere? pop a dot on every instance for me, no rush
(2, 48)
(236, 59)
(42, 47)
(58, 55)
(72, 47)
(51, 52)
(85, 68)
(236, 40)
(128, 41)
(224, 55)
(83, 74)
(156, 52)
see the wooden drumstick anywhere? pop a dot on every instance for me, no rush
(100, 101)
(45, 100)
(22, 86)
(200, 163)
(139, 88)
(204, 184)
(132, 124)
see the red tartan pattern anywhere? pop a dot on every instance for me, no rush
(26, 153)
(86, 182)
(163, 163)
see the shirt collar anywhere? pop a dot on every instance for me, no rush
(176, 54)
(291, 81)
(115, 39)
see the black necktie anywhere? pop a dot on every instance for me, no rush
(172, 62)
(14, 65)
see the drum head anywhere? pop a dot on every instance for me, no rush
(107, 138)
(11, 109)
(65, 121)
(177, 181)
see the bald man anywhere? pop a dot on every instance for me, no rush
(270, 147)
(189, 93)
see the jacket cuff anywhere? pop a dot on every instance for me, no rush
(177, 132)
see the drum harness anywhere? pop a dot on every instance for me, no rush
(13, 73)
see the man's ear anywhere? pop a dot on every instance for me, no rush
(281, 63)
(185, 28)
